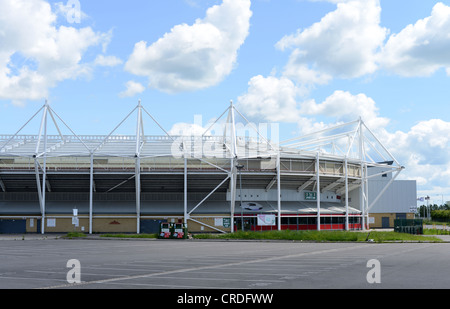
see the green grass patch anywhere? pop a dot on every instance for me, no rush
(320, 236)
(75, 235)
(380, 236)
(436, 232)
(130, 235)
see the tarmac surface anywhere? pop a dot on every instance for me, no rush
(41, 261)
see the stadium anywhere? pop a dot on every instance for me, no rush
(235, 176)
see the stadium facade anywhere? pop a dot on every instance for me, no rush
(234, 176)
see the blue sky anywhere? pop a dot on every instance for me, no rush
(303, 64)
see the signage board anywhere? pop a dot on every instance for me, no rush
(266, 220)
(226, 222)
(310, 196)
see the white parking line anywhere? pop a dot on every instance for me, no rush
(165, 286)
(121, 269)
(274, 258)
(31, 278)
(65, 273)
(215, 279)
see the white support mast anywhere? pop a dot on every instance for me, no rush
(318, 189)
(139, 130)
(346, 194)
(91, 190)
(41, 189)
(279, 190)
(186, 216)
(233, 162)
(362, 175)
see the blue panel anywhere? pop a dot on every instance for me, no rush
(13, 226)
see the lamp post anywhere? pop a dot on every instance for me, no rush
(428, 207)
(240, 167)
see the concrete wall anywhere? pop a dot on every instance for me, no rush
(377, 217)
(118, 224)
(400, 196)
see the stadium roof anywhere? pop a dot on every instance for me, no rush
(352, 141)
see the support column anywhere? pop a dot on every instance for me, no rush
(44, 178)
(346, 194)
(41, 189)
(279, 190)
(362, 199)
(318, 190)
(233, 162)
(366, 187)
(91, 191)
(185, 191)
(232, 192)
(138, 194)
(41, 197)
(139, 139)
(362, 190)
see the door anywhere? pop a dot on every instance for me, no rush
(150, 226)
(385, 222)
(13, 226)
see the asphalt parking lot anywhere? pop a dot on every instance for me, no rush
(42, 263)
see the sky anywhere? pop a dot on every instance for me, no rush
(303, 64)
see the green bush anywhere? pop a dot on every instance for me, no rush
(440, 215)
(436, 232)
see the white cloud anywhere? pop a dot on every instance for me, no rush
(422, 48)
(108, 61)
(304, 75)
(187, 129)
(70, 11)
(349, 42)
(342, 106)
(272, 98)
(425, 152)
(344, 43)
(192, 57)
(433, 133)
(430, 140)
(47, 54)
(280, 100)
(133, 88)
